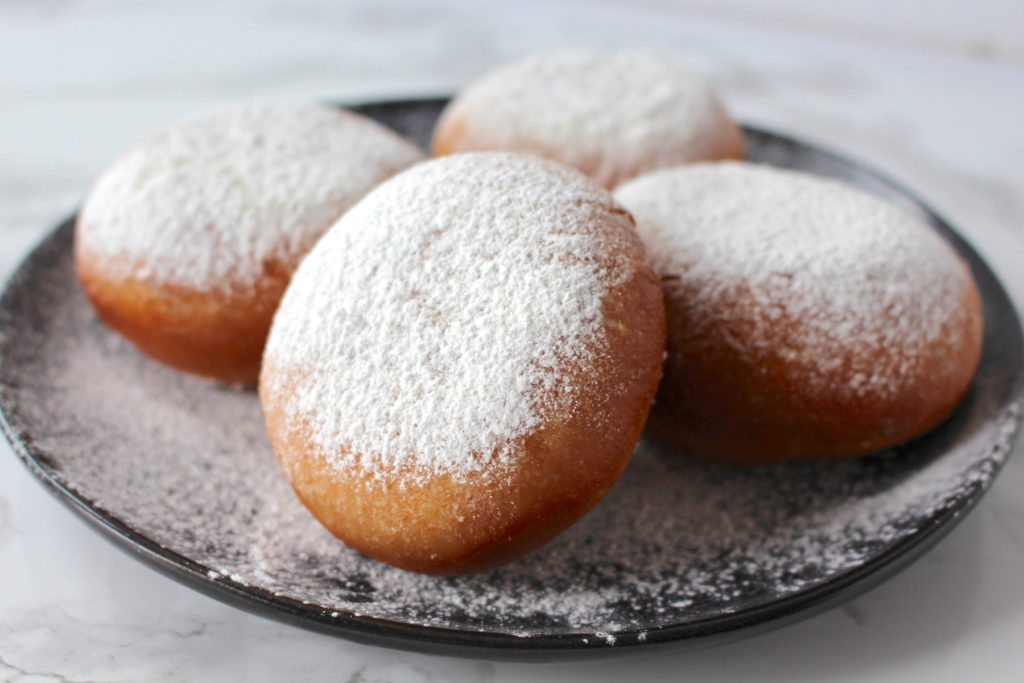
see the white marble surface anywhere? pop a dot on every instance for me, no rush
(935, 103)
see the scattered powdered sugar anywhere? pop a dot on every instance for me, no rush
(187, 464)
(434, 324)
(858, 280)
(612, 114)
(212, 201)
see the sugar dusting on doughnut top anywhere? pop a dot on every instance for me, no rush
(209, 202)
(866, 284)
(432, 325)
(611, 113)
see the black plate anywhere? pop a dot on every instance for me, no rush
(177, 472)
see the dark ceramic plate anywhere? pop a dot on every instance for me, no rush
(177, 472)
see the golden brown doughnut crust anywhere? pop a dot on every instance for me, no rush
(563, 469)
(215, 334)
(451, 136)
(730, 408)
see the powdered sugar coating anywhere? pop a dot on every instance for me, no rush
(186, 464)
(212, 201)
(862, 282)
(612, 115)
(435, 323)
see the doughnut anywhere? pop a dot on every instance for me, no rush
(611, 115)
(462, 366)
(805, 318)
(186, 243)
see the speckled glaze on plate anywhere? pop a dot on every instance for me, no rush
(177, 472)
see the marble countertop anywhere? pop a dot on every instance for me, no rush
(937, 107)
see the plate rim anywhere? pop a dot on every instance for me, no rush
(506, 646)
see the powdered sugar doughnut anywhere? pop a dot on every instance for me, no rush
(805, 317)
(610, 115)
(463, 364)
(187, 242)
